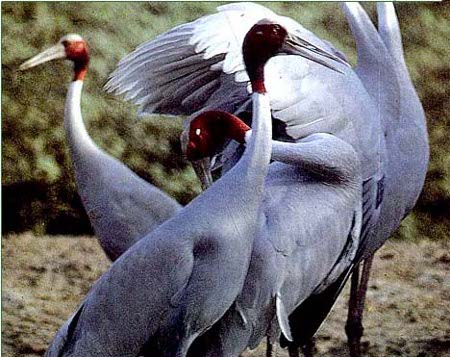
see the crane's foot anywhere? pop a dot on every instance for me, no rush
(309, 348)
(294, 351)
(354, 327)
(355, 331)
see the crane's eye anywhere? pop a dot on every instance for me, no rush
(276, 29)
(65, 43)
(198, 131)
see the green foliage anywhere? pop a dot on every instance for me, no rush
(38, 186)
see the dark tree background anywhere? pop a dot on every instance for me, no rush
(38, 189)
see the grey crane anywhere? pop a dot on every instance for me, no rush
(121, 206)
(168, 288)
(204, 58)
(314, 184)
(402, 146)
(383, 71)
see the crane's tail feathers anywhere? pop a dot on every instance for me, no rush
(283, 318)
(309, 316)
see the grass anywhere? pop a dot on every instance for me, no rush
(407, 310)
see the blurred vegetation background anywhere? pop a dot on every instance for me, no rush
(38, 189)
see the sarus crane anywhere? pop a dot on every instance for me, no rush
(168, 288)
(315, 185)
(122, 207)
(383, 71)
(199, 65)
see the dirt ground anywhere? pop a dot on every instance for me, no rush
(407, 311)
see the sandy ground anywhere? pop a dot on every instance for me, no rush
(407, 311)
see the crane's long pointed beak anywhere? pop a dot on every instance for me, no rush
(203, 170)
(294, 45)
(55, 52)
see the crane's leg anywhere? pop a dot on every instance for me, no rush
(271, 348)
(293, 351)
(354, 327)
(353, 330)
(308, 349)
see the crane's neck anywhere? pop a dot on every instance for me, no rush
(80, 70)
(257, 75)
(259, 148)
(321, 155)
(79, 141)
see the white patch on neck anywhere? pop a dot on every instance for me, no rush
(248, 135)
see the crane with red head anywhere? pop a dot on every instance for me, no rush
(377, 99)
(171, 283)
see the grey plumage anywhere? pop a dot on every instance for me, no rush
(404, 124)
(305, 97)
(382, 70)
(168, 288)
(121, 206)
(315, 185)
(345, 106)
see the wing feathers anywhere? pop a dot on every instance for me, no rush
(176, 73)
(199, 56)
(283, 319)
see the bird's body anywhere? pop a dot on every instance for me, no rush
(382, 69)
(315, 185)
(121, 206)
(164, 291)
(155, 289)
(404, 158)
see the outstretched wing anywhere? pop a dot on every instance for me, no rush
(199, 65)
(191, 66)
